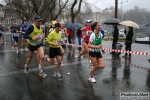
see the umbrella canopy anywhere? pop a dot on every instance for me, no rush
(70, 25)
(130, 23)
(111, 21)
(78, 25)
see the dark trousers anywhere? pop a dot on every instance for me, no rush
(128, 48)
(115, 40)
(79, 40)
(69, 39)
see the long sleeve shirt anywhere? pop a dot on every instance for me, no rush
(116, 32)
(54, 37)
(129, 36)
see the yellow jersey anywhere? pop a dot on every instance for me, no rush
(36, 32)
(54, 37)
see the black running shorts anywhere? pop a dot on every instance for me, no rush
(33, 48)
(95, 54)
(53, 52)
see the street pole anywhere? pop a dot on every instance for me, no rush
(116, 8)
(122, 9)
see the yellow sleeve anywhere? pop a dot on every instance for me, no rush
(49, 39)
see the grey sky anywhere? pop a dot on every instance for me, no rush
(126, 5)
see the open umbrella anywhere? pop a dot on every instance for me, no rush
(70, 25)
(111, 21)
(130, 23)
(78, 25)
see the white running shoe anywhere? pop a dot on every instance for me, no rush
(62, 64)
(39, 66)
(26, 49)
(56, 74)
(12, 48)
(92, 79)
(90, 65)
(55, 62)
(26, 70)
(77, 59)
(21, 50)
(17, 52)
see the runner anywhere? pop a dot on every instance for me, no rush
(87, 32)
(23, 40)
(34, 34)
(95, 44)
(1, 34)
(64, 39)
(54, 39)
(15, 30)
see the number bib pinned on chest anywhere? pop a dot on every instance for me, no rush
(15, 34)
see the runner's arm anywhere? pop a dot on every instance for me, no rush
(49, 38)
(83, 35)
(28, 32)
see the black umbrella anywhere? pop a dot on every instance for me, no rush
(111, 21)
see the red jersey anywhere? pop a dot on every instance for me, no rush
(87, 33)
(69, 32)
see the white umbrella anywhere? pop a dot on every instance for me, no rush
(130, 23)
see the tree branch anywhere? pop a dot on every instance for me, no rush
(46, 7)
(60, 9)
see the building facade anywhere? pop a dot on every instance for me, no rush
(7, 17)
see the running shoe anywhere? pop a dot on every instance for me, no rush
(12, 48)
(77, 59)
(21, 49)
(62, 64)
(26, 49)
(43, 74)
(92, 79)
(18, 52)
(56, 74)
(26, 69)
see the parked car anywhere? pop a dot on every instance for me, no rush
(141, 38)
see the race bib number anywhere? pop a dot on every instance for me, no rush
(58, 41)
(16, 35)
(89, 33)
(40, 38)
(95, 50)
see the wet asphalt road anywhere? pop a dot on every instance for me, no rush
(119, 75)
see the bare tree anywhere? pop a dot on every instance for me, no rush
(138, 15)
(26, 9)
(23, 8)
(58, 5)
(75, 11)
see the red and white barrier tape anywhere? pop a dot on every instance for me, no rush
(115, 50)
(124, 51)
